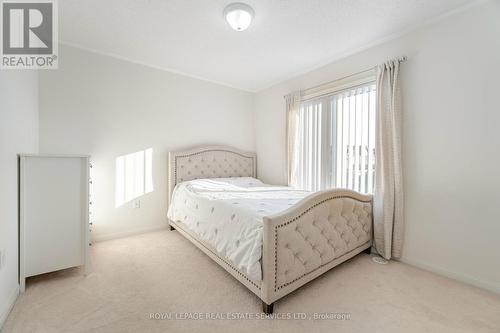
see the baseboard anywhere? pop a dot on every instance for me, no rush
(127, 233)
(10, 304)
(452, 275)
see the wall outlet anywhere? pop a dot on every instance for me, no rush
(136, 203)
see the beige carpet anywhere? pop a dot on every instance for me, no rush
(163, 273)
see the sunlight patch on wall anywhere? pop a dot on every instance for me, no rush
(134, 176)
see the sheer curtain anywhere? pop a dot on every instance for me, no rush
(311, 167)
(352, 139)
(292, 104)
(331, 140)
(388, 221)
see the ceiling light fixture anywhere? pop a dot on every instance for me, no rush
(239, 15)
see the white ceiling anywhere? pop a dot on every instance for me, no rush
(191, 37)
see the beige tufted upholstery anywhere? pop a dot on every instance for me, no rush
(209, 162)
(312, 236)
(319, 232)
(322, 234)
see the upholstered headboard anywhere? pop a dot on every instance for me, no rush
(209, 162)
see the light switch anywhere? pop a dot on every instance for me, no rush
(136, 203)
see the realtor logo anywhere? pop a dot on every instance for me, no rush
(29, 34)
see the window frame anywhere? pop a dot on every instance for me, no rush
(324, 94)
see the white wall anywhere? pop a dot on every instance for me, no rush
(18, 134)
(105, 107)
(451, 139)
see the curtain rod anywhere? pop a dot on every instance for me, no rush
(400, 59)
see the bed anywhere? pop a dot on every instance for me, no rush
(273, 239)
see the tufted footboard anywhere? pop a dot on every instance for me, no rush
(318, 233)
(314, 235)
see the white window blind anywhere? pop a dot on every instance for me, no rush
(335, 142)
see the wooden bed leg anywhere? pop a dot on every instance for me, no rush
(171, 228)
(267, 308)
(368, 250)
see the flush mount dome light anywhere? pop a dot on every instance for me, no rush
(238, 15)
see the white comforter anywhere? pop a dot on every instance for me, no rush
(227, 213)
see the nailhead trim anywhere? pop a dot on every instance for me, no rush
(252, 159)
(276, 287)
(252, 173)
(314, 270)
(222, 259)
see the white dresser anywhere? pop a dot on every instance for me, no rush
(53, 213)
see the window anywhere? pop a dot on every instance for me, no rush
(134, 176)
(335, 140)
